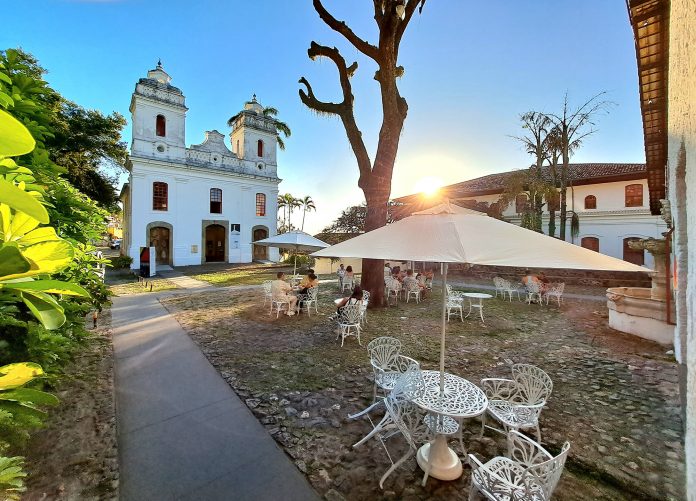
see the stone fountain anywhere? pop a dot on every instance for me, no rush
(639, 310)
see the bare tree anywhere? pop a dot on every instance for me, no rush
(572, 126)
(392, 18)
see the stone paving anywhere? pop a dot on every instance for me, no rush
(615, 397)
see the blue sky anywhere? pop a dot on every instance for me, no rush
(471, 69)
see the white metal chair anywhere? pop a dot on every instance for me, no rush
(387, 363)
(528, 473)
(306, 301)
(413, 289)
(402, 417)
(341, 273)
(533, 289)
(517, 403)
(349, 322)
(267, 293)
(500, 288)
(512, 288)
(393, 289)
(278, 304)
(347, 283)
(555, 290)
(363, 307)
(454, 302)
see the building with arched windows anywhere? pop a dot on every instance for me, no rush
(611, 201)
(205, 202)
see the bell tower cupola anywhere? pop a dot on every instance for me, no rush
(158, 112)
(254, 136)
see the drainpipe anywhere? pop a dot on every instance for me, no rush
(668, 289)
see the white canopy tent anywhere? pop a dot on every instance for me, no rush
(297, 240)
(451, 234)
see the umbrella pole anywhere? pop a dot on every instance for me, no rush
(444, 323)
(294, 260)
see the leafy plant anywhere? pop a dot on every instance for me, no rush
(121, 262)
(12, 477)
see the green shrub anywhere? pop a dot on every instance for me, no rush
(121, 262)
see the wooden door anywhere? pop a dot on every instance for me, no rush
(260, 251)
(215, 243)
(159, 239)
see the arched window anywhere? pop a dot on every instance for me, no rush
(590, 202)
(161, 126)
(159, 196)
(591, 243)
(634, 195)
(239, 153)
(260, 204)
(259, 148)
(215, 201)
(635, 256)
(520, 203)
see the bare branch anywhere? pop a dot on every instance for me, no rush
(342, 28)
(410, 8)
(309, 99)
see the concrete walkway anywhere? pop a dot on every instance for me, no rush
(182, 432)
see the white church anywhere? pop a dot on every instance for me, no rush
(201, 204)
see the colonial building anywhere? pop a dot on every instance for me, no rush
(203, 203)
(611, 201)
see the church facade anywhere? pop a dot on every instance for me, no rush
(204, 203)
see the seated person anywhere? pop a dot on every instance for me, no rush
(354, 298)
(349, 273)
(410, 279)
(312, 281)
(429, 274)
(280, 290)
(542, 278)
(305, 281)
(528, 278)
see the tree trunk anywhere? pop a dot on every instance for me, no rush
(552, 222)
(373, 269)
(564, 181)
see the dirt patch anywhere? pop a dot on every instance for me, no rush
(75, 455)
(615, 397)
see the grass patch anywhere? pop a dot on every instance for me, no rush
(135, 287)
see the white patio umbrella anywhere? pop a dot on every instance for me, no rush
(297, 240)
(451, 234)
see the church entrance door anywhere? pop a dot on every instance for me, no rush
(159, 239)
(260, 251)
(215, 243)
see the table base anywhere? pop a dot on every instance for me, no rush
(445, 462)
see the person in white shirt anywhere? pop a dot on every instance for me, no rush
(280, 290)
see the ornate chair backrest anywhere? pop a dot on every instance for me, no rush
(542, 470)
(312, 293)
(491, 484)
(366, 297)
(533, 385)
(506, 284)
(409, 385)
(533, 286)
(408, 418)
(556, 289)
(499, 283)
(449, 290)
(393, 284)
(412, 285)
(349, 314)
(383, 352)
(267, 287)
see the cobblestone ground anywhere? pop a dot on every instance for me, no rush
(615, 397)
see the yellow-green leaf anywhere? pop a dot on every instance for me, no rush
(15, 375)
(49, 256)
(45, 308)
(22, 201)
(15, 139)
(12, 262)
(49, 286)
(22, 223)
(43, 234)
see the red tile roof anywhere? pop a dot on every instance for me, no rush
(578, 174)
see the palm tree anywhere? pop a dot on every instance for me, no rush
(307, 205)
(281, 127)
(281, 205)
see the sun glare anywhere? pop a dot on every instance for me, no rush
(429, 185)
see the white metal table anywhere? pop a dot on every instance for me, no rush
(461, 399)
(476, 295)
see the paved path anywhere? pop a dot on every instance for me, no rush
(182, 432)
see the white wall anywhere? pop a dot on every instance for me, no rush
(189, 205)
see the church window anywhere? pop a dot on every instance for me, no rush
(520, 203)
(260, 204)
(215, 201)
(591, 243)
(238, 152)
(161, 126)
(635, 256)
(590, 202)
(634, 195)
(159, 196)
(259, 147)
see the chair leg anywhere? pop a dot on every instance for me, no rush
(394, 467)
(461, 437)
(483, 424)
(538, 434)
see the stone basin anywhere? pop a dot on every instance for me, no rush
(636, 311)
